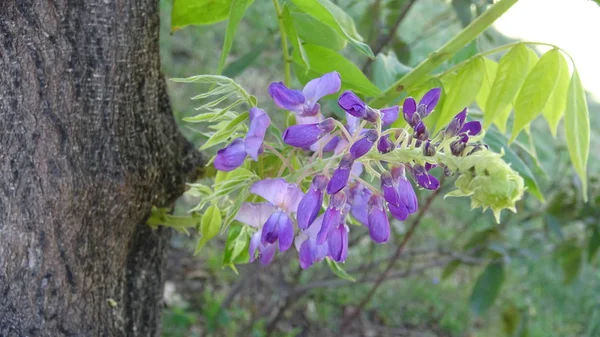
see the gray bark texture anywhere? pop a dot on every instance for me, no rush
(87, 145)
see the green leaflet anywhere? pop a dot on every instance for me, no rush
(491, 67)
(511, 73)
(313, 31)
(333, 16)
(338, 270)
(577, 129)
(323, 60)
(536, 90)
(199, 12)
(290, 29)
(461, 90)
(209, 226)
(236, 245)
(238, 7)
(225, 132)
(487, 288)
(557, 103)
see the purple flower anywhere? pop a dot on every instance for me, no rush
(471, 128)
(406, 193)
(332, 216)
(310, 205)
(231, 157)
(390, 189)
(385, 145)
(379, 225)
(337, 242)
(458, 126)
(304, 135)
(304, 103)
(354, 106)
(424, 179)
(340, 176)
(272, 218)
(413, 113)
(421, 131)
(234, 154)
(363, 145)
(359, 198)
(309, 251)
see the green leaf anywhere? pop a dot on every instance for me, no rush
(497, 142)
(236, 13)
(226, 132)
(450, 268)
(462, 90)
(292, 33)
(313, 31)
(557, 103)
(570, 258)
(487, 288)
(238, 66)
(199, 12)
(484, 93)
(593, 244)
(536, 90)
(323, 60)
(333, 16)
(511, 73)
(209, 226)
(577, 129)
(387, 70)
(338, 270)
(236, 244)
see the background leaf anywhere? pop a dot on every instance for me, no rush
(387, 70)
(577, 129)
(536, 90)
(335, 17)
(323, 60)
(313, 31)
(238, 7)
(487, 288)
(570, 258)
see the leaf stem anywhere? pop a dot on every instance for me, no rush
(284, 44)
(444, 53)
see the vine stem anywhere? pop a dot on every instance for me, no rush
(284, 44)
(436, 58)
(347, 322)
(279, 155)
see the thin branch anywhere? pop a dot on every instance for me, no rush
(390, 35)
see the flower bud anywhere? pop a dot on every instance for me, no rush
(385, 145)
(340, 176)
(353, 105)
(379, 225)
(428, 149)
(363, 145)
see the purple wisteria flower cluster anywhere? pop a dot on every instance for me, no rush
(316, 220)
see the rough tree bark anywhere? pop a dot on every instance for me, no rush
(87, 145)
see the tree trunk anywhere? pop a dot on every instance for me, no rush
(87, 145)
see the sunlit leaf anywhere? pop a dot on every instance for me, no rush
(488, 79)
(236, 13)
(536, 90)
(577, 129)
(292, 34)
(487, 288)
(199, 12)
(335, 17)
(461, 90)
(313, 31)
(236, 244)
(557, 103)
(511, 73)
(323, 60)
(209, 226)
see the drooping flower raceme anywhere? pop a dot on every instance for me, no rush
(327, 158)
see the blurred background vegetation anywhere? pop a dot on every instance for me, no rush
(552, 277)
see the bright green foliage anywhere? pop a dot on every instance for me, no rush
(512, 71)
(557, 103)
(338, 270)
(536, 90)
(462, 90)
(323, 60)
(487, 288)
(210, 226)
(333, 16)
(199, 12)
(491, 67)
(236, 246)
(238, 7)
(577, 129)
